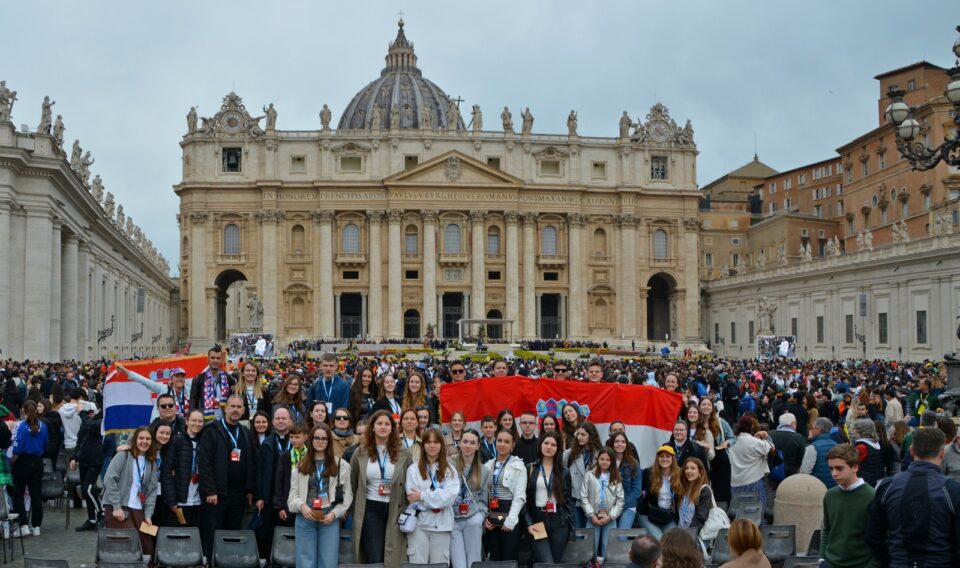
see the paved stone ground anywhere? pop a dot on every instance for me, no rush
(79, 548)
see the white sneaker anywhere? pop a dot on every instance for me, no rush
(35, 531)
(20, 532)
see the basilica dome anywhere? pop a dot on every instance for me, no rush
(401, 97)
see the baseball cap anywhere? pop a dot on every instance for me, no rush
(177, 371)
(667, 449)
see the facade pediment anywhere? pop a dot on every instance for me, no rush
(453, 168)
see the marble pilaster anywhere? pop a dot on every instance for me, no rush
(5, 319)
(628, 276)
(69, 318)
(430, 309)
(531, 308)
(512, 270)
(198, 269)
(324, 298)
(56, 283)
(478, 276)
(575, 275)
(86, 298)
(270, 257)
(36, 297)
(375, 297)
(394, 284)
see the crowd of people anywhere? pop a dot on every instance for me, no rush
(357, 444)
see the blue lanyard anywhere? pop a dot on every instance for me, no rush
(603, 490)
(382, 460)
(140, 473)
(252, 402)
(547, 481)
(280, 449)
(326, 392)
(497, 472)
(433, 479)
(193, 466)
(394, 406)
(319, 472)
(407, 444)
(233, 438)
(492, 448)
(463, 481)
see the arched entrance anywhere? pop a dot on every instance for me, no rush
(411, 324)
(661, 287)
(495, 330)
(230, 285)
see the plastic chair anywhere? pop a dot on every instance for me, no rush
(13, 520)
(179, 547)
(721, 548)
(283, 554)
(235, 549)
(118, 546)
(614, 565)
(542, 565)
(813, 549)
(580, 548)
(341, 565)
(493, 564)
(31, 562)
(801, 562)
(751, 512)
(617, 547)
(140, 564)
(51, 486)
(409, 565)
(779, 542)
(738, 499)
(47, 465)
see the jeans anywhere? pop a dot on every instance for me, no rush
(466, 541)
(626, 518)
(373, 531)
(600, 536)
(656, 531)
(317, 544)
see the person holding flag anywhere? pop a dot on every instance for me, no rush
(211, 388)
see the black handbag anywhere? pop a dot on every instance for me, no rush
(659, 516)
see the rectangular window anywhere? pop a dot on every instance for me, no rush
(882, 338)
(736, 259)
(911, 84)
(793, 326)
(298, 164)
(351, 164)
(882, 161)
(658, 167)
(819, 329)
(708, 259)
(493, 244)
(850, 176)
(493, 275)
(494, 162)
(849, 226)
(231, 159)
(549, 167)
(927, 200)
(801, 179)
(599, 170)
(788, 183)
(922, 327)
(716, 332)
(351, 275)
(864, 168)
(551, 276)
(411, 274)
(733, 333)
(848, 328)
(410, 243)
(773, 187)
(772, 207)
(410, 162)
(904, 209)
(839, 208)
(787, 204)
(818, 211)
(750, 331)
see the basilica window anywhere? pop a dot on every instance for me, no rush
(660, 244)
(600, 243)
(297, 239)
(231, 159)
(493, 241)
(410, 244)
(351, 238)
(451, 238)
(549, 244)
(231, 239)
(658, 168)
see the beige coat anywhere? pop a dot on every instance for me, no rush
(300, 486)
(752, 558)
(395, 545)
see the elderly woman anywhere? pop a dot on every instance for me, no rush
(748, 458)
(863, 433)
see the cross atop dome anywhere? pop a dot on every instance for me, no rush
(400, 55)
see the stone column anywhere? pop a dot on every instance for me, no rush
(575, 276)
(68, 307)
(478, 275)
(36, 296)
(628, 277)
(56, 283)
(531, 307)
(690, 321)
(394, 284)
(5, 319)
(324, 297)
(512, 272)
(86, 302)
(337, 324)
(375, 299)
(430, 309)
(271, 250)
(198, 280)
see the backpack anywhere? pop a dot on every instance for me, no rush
(747, 404)
(778, 470)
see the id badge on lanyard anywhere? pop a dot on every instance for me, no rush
(322, 500)
(384, 488)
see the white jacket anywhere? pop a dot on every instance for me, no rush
(440, 497)
(300, 485)
(514, 478)
(590, 496)
(748, 460)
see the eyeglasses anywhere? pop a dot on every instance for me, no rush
(167, 406)
(319, 438)
(341, 418)
(457, 371)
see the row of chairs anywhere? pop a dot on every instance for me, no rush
(779, 544)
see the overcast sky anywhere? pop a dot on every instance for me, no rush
(796, 77)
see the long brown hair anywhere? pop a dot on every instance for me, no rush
(557, 464)
(393, 439)
(286, 399)
(411, 400)
(356, 392)
(614, 472)
(433, 434)
(691, 489)
(135, 451)
(308, 464)
(30, 416)
(627, 454)
(713, 422)
(679, 550)
(656, 476)
(476, 468)
(593, 442)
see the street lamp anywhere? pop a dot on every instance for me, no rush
(907, 128)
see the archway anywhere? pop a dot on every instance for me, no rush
(494, 330)
(411, 324)
(658, 305)
(230, 285)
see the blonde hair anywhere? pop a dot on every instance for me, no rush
(241, 387)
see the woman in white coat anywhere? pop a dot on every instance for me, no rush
(432, 488)
(601, 497)
(470, 508)
(506, 484)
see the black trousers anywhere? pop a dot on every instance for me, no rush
(374, 531)
(503, 545)
(27, 474)
(90, 491)
(550, 550)
(227, 514)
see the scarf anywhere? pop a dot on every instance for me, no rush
(296, 455)
(212, 399)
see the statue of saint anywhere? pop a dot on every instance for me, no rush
(85, 164)
(868, 239)
(860, 241)
(7, 98)
(58, 129)
(46, 116)
(192, 120)
(376, 118)
(572, 123)
(453, 115)
(426, 117)
(837, 250)
(108, 206)
(507, 117)
(527, 126)
(761, 260)
(325, 116)
(97, 188)
(782, 254)
(75, 154)
(128, 229)
(394, 117)
(255, 312)
(625, 123)
(120, 217)
(271, 114)
(765, 313)
(477, 118)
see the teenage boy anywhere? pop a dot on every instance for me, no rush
(488, 445)
(845, 509)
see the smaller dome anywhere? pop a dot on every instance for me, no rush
(402, 95)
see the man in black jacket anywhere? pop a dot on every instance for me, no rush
(213, 384)
(167, 414)
(88, 456)
(790, 442)
(228, 473)
(273, 447)
(684, 446)
(527, 447)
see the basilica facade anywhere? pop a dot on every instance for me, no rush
(406, 218)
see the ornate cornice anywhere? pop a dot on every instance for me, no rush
(269, 216)
(530, 218)
(198, 217)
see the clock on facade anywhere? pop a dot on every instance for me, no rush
(231, 121)
(659, 131)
